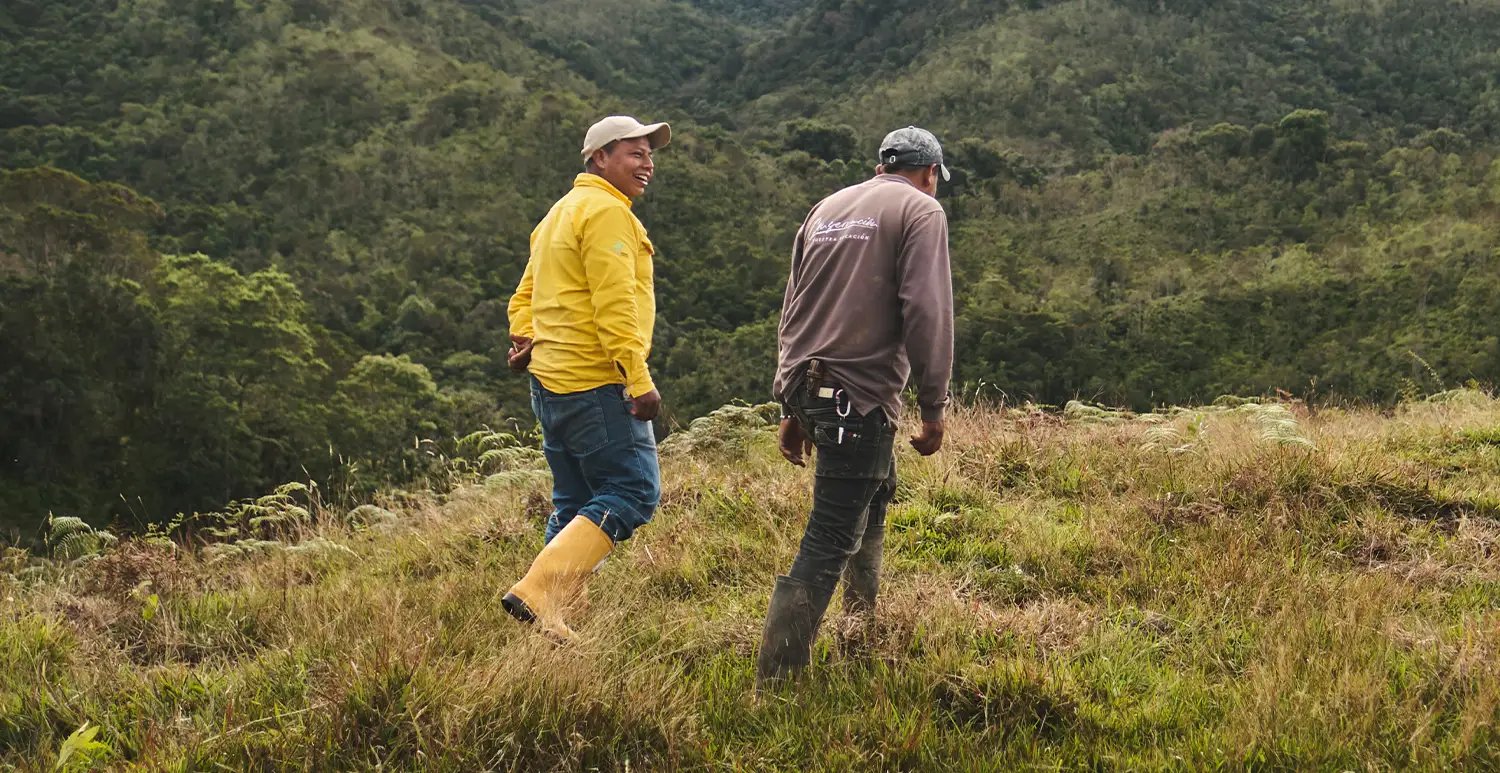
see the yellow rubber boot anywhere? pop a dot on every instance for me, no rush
(557, 576)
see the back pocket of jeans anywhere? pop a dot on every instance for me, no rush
(577, 423)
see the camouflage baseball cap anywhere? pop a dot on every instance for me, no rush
(912, 147)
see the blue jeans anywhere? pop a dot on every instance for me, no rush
(603, 459)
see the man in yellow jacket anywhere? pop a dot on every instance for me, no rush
(581, 322)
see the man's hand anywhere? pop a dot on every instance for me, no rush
(931, 438)
(795, 444)
(646, 406)
(519, 357)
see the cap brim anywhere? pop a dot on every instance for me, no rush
(943, 169)
(658, 133)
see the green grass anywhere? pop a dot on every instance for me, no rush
(1058, 594)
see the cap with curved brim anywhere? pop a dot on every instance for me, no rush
(913, 147)
(915, 159)
(624, 127)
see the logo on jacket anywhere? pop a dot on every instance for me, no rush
(838, 230)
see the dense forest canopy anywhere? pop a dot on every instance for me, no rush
(242, 243)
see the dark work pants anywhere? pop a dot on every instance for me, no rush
(855, 479)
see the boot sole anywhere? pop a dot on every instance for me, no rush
(517, 608)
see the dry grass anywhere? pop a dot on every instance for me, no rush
(1182, 591)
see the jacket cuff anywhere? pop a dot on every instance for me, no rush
(639, 386)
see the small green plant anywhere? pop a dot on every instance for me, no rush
(150, 605)
(81, 750)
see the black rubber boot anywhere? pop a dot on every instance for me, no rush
(791, 626)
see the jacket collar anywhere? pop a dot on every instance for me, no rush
(587, 180)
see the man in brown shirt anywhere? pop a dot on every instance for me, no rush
(869, 302)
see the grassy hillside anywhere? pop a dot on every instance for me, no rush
(1243, 585)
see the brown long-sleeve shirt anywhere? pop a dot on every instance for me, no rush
(871, 296)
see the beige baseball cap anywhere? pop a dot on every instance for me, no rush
(624, 127)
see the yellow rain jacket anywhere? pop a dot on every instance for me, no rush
(587, 299)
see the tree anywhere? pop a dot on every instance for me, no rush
(238, 405)
(820, 140)
(77, 342)
(382, 408)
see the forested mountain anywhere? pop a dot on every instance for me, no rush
(247, 242)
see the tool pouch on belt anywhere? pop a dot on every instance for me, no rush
(813, 377)
(802, 389)
(849, 444)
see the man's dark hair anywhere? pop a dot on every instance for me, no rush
(904, 168)
(588, 163)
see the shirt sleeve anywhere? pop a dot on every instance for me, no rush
(519, 309)
(609, 246)
(778, 386)
(926, 294)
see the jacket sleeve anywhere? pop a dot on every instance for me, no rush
(778, 388)
(926, 294)
(519, 309)
(609, 246)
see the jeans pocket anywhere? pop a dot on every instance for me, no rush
(576, 422)
(852, 447)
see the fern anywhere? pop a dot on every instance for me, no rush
(286, 509)
(292, 487)
(242, 549)
(1462, 395)
(726, 430)
(366, 516)
(518, 478)
(477, 454)
(72, 539)
(516, 457)
(318, 546)
(59, 527)
(484, 440)
(1161, 437)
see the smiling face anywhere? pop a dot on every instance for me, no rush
(626, 164)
